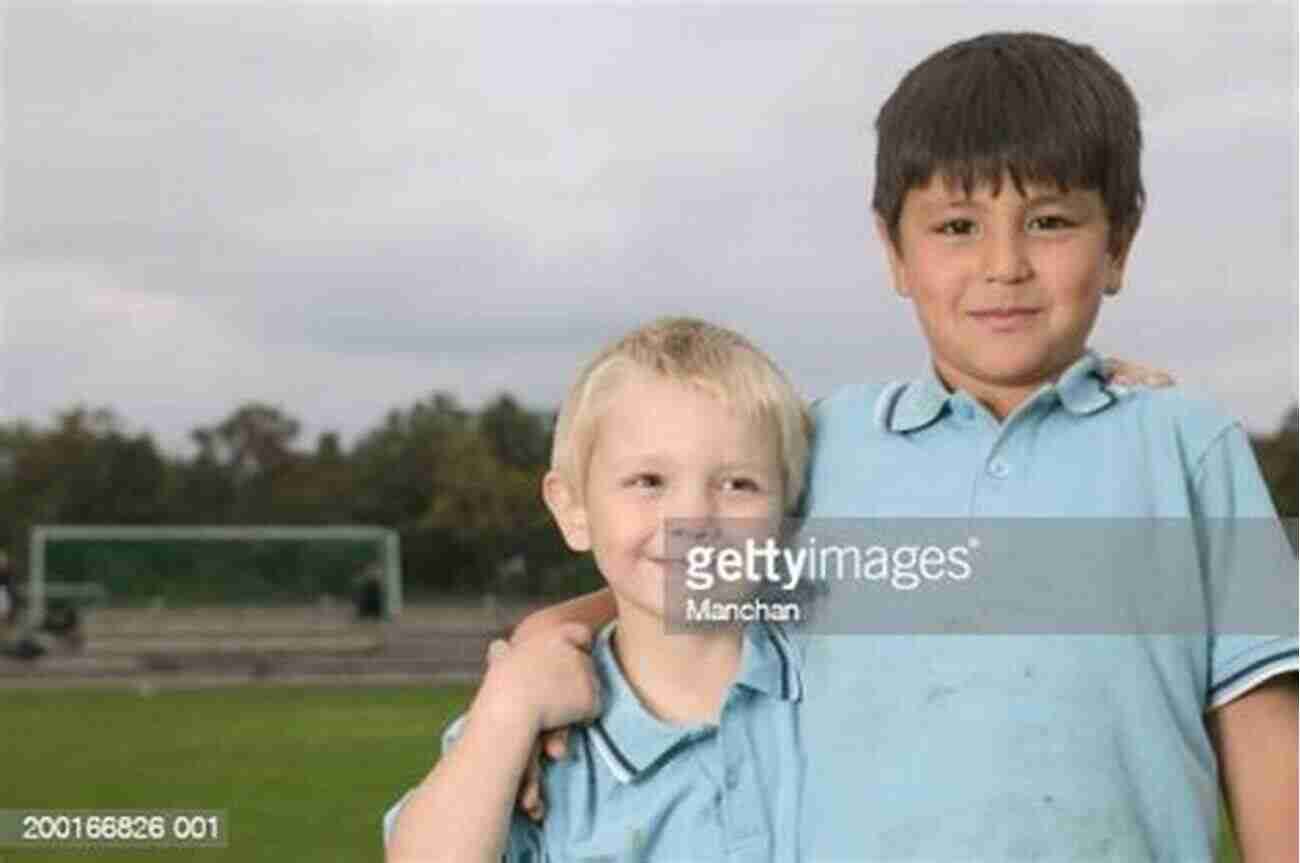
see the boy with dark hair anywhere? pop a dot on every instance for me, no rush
(1008, 193)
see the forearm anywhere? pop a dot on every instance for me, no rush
(462, 809)
(593, 610)
(1256, 739)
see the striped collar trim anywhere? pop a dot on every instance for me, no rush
(632, 741)
(906, 407)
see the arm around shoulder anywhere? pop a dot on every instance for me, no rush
(592, 610)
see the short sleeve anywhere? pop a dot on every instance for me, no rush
(523, 842)
(1251, 570)
(452, 733)
(390, 817)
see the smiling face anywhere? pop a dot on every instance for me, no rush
(1006, 286)
(664, 450)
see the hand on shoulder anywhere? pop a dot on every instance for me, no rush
(547, 679)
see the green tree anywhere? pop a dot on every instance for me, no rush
(519, 438)
(253, 450)
(204, 491)
(393, 465)
(15, 440)
(1279, 461)
(254, 440)
(87, 469)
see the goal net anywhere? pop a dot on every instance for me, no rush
(204, 565)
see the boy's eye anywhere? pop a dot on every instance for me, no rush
(1049, 223)
(740, 483)
(645, 480)
(956, 228)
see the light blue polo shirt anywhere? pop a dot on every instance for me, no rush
(635, 788)
(1024, 747)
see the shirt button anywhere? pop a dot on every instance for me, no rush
(965, 410)
(998, 469)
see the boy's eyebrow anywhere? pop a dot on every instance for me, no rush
(1036, 200)
(757, 466)
(946, 203)
(1045, 198)
(643, 457)
(653, 460)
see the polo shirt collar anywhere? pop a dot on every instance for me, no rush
(916, 404)
(632, 741)
(767, 664)
(1081, 388)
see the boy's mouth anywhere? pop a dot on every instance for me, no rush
(1004, 317)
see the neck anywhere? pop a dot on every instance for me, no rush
(1002, 400)
(680, 678)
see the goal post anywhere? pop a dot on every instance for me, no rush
(386, 542)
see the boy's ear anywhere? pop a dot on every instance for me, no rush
(567, 509)
(1118, 260)
(897, 272)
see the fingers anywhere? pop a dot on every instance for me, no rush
(530, 793)
(1119, 372)
(577, 634)
(556, 743)
(594, 683)
(1135, 376)
(497, 649)
(1123, 373)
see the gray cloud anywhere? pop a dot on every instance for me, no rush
(341, 208)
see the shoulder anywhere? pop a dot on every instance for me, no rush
(854, 407)
(1194, 421)
(853, 397)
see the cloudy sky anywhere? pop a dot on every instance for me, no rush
(342, 208)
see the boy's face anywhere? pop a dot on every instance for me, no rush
(1006, 287)
(665, 450)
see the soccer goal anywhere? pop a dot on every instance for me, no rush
(204, 563)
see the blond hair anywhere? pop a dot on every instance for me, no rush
(715, 359)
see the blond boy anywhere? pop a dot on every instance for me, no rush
(691, 751)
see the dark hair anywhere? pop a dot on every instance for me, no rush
(1028, 105)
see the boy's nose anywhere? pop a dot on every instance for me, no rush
(693, 515)
(1006, 260)
(684, 534)
(692, 529)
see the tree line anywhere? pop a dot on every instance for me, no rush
(461, 486)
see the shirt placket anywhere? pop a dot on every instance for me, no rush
(744, 836)
(999, 481)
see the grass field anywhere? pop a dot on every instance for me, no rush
(304, 773)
